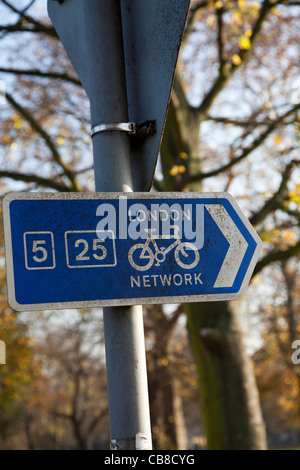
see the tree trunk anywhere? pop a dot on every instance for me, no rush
(169, 432)
(228, 392)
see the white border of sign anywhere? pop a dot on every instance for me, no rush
(26, 254)
(119, 302)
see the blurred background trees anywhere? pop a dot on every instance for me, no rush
(233, 125)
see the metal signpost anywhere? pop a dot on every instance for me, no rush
(117, 248)
(126, 64)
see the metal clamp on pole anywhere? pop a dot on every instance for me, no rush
(129, 127)
(143, 129)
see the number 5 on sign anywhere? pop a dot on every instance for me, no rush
(39, 250)
(36, 247)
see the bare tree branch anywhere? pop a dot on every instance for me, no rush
(219, 15)
(277, 255)
(40, 181)
(32, 26)
(239, 123)
(226, 72)
(38, 73)
(256, 143)
(198, 6)
(28, 6)
(278, 198)
(192, 17)
(289, 3)
(37, 25)
(39, 129)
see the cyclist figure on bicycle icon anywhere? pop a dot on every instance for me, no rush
(141, 256)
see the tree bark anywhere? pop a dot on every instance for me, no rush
(228, 392)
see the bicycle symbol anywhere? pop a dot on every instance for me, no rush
(141, 252)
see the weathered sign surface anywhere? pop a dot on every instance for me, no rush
(101, 249)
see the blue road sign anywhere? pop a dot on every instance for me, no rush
(79, 250)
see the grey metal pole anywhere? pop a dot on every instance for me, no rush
(123, 326)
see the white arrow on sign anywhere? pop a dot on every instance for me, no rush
(237, 245)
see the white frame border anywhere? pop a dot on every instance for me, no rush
(25, 250)
(130, 301)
